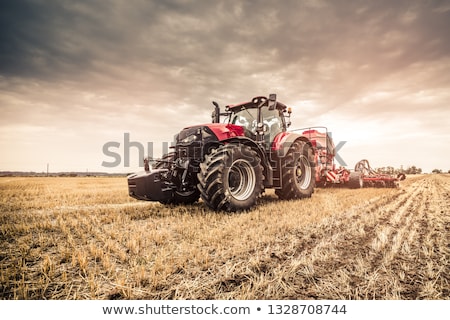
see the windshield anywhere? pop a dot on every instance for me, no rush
(245, 118)
(248, 119)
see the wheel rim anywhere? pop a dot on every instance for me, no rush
(185, 193)
(241, 179)
(303, 172)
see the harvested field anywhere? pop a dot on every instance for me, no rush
(84, 238)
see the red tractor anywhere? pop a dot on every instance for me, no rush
(229, 163)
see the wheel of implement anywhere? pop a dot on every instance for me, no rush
(355, 180)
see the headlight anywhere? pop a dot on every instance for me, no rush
(189, 139)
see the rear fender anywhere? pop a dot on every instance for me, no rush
(280, 148)
(284, 140)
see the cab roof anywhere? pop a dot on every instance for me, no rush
(252, 104)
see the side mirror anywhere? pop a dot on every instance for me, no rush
(288, 116)
(272, 101)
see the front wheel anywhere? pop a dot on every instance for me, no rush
(230, 178)
(297, 172)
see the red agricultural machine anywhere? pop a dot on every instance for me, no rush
(328, 174)
(372, 178)
(230, 163)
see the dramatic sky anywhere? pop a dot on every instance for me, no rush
(76, 75)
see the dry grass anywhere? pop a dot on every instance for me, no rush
(84, 238)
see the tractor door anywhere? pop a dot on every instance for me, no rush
(273, 121)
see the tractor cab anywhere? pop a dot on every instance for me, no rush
(262, 119)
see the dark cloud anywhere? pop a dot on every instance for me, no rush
(65, 38)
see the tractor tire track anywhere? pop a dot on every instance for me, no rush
(356, 227)
(378, 243)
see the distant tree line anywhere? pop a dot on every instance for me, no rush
(58, 174)
(409, 170)
(392, 170)
(413, 170)
(438, 171)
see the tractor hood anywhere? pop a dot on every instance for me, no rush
(221, 131)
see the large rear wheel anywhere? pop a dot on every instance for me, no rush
(230, 178)
(297, 170)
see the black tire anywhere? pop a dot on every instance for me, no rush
(178, 197)
(355, 181)
(231, 178)
(298, 172)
